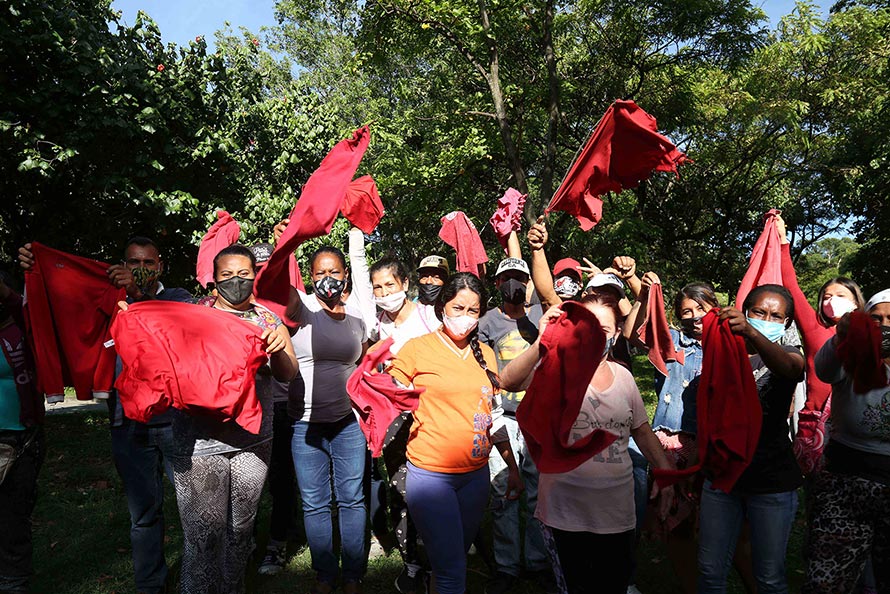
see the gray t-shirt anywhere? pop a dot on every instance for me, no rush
(509, 338)
(327, 350)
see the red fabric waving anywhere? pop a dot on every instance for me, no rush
(197, 359)
(553, 400)
(362, 206)
(655, 332)
(860, 353)
(765, 267)
(729, 414)
(624, 149)
(313, 216)
(69, 304)
(223, 233)
(459, 232)
(376, 397)
(508, 216)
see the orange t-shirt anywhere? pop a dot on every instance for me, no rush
(453, 417)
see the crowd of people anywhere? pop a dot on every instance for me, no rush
(491, 380)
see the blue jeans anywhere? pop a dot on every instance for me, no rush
(315, 447)
(770, 517)
(447, 510)
(505, 513)
(141, 455)
(641, 497)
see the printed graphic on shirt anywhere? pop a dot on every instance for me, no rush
(587, 423)
(17, 355)
(507, 348)
(481, 424)
(877, 417)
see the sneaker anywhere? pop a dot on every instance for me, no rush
(274, 561)
(632, 589)
(501, 583)
(405, 584)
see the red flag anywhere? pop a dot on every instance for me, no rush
(624, 149)
(313, 216)
(362, 206)
(223, 233)
(766, 259)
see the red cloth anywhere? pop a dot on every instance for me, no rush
(69, 304)
(860, 354)
(656, 334)
(765, 267)
(459, 232)
(551, 405)
(508, 216)
(313, 216)
(624, 149)
(18, 356)
(223, 233)
(376, 397)
(729, 414)
(197, 359)
(362, 206)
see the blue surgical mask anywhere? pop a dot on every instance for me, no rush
(773, 331)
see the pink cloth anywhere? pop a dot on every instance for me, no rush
(508, 216)
(624, 149)
(377, 398)
(313, 216)
(460, 233)
(656, 334)
(362, 206)
(223, 233)
(766, 259)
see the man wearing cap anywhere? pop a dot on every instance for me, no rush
(567, 279)
(432, 273)
(509, 330)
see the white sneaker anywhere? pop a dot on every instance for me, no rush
(274, 561)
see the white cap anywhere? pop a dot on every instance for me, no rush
(513, 264)
(882, 297)
(605, 279)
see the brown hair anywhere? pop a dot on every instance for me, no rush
(847, 284)
(606, 299)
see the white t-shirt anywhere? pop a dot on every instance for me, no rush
(327, 351)
(598, 495)
(421, 321)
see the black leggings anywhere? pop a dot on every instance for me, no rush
(600, 563)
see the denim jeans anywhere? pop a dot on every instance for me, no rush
(505, 512)
(317, 447)
(641, 497)
(141, 455)
(770, 517)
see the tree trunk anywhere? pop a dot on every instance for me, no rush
(547, 171)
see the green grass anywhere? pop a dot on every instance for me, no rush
(81, 525)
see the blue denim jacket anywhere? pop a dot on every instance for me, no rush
(676, 408)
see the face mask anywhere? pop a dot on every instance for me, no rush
(773, 331)
(392, 302)
(836, 307)
(885, 341)
(512, 291)
(566, 287)
(688, 325)
(427, 294)
(610, 342)
(459, 326)
(145, 277)
(329, 288)
(235, 290)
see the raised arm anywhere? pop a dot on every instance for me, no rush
(362, 293)
(518, 373)
(804, 314)
(541, 277)
(637, 316)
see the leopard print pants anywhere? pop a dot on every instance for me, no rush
(850, 521)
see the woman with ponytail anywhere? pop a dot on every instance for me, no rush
(457, 421)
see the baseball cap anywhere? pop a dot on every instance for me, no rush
(512, 264)
(605, 279)
(567, 264)
(435, 262)
(261, 252)
(877, 298)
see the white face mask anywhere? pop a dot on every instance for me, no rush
(459, 326)
(836, 307)
(392, 302)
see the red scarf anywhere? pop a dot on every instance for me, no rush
(508, 216)
(223, 233)
(362, 206)
(765, 267)
(459, 232)
(860, 354)
(655, 332)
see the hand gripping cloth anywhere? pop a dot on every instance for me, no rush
(508, 216)
(655, 333)
(765, 267)
(459, 232)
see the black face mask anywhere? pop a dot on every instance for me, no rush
(687, 325)
(427, 294)
(235, 290)
(512, 291)
(329, 288)
(885, 341)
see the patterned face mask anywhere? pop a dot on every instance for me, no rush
(329, 288)
(885, 341)
(145, 277)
